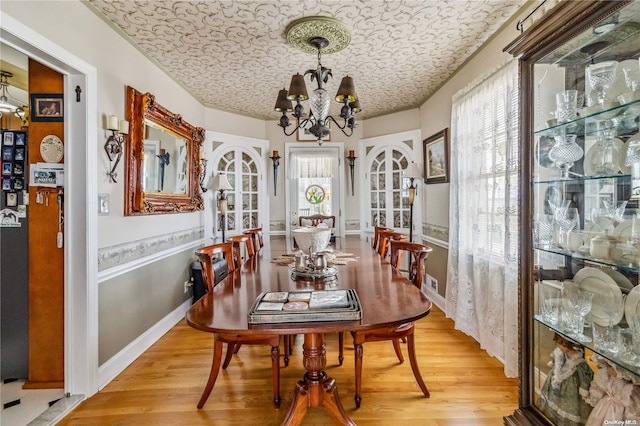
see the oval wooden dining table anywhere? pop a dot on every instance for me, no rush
(387, 298)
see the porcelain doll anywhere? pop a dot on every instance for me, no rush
(562, 396)
(614, 395)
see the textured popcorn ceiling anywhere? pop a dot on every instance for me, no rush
(234, 55)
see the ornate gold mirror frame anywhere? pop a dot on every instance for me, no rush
(145, 115)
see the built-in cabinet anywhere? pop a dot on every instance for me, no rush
(580, 245)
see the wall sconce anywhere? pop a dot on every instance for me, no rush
(352, 164)
(276, 163)
(113, 146)
(220, 183)
(203, 172)
(413, 173)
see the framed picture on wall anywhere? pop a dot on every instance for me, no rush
(435, 150)
(12, 199)
(7, 153)
(304, 135)
(47, 107)
(7, 138)
(20, 138)
(6, 184)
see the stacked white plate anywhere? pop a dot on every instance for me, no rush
(632, 304)
(622, 231)
(606, 294)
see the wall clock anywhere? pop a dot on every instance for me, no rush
(51, 149)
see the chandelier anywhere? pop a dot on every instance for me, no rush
(318, 34)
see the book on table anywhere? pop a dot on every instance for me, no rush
(322, 305)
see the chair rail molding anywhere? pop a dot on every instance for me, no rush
(119, 259)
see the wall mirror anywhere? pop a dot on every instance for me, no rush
(161, 163)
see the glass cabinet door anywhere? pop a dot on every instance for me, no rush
(582, 290)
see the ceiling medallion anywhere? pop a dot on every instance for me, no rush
(318, 34)
(301, 31)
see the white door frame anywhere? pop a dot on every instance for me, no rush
(258, 150)
(81, 202)
(408, 142)
(341, 180)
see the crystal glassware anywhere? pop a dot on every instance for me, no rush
(565, 152)
(632, 78)
(605, 162)
(601, 76)
(567, 222)
(543, 229)
(632, 356)
(566, 105)
(577, 304)
(615, 210)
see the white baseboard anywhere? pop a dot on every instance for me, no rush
(436, 299)
(116, 365)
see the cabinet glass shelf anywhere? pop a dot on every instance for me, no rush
(624, 118)
(633, 268)
(580, 179)
(588, 332)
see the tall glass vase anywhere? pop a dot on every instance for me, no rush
(565, 153)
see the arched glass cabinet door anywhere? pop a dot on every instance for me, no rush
(242, 170)
(386, 200)
(388, 194)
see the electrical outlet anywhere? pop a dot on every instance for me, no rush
(433, 283)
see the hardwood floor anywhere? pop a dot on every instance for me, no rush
(162, 387)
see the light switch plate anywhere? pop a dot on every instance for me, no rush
(103, 204)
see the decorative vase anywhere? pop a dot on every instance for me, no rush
(565, 153)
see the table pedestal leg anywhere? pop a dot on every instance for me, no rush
(316, 390)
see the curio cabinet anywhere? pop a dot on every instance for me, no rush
(580, 215)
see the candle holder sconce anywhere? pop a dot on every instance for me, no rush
(113, 145)
(276, 163)
(203, 174)
(352, 165)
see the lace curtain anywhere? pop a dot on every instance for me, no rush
(482, 276)
(313, 164)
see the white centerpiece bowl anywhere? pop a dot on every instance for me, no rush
(310, 239)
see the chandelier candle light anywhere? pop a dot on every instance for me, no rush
(113, 145)
(321, 34)
(276, 162)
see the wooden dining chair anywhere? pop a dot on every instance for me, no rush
(382, 236)
(258, 239)
(247, 240)
(385, 237)
(418, 253)
(205, 256)
(376, 235)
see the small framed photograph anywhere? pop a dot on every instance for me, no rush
(11, 199)
(436, 157)
(47, 107)
(6, 184)
(18, 184)
(21, 138)
(19, 155)
(7, 153)
(304, 135)
(7, 138)
(18, 169)
(7, 169)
